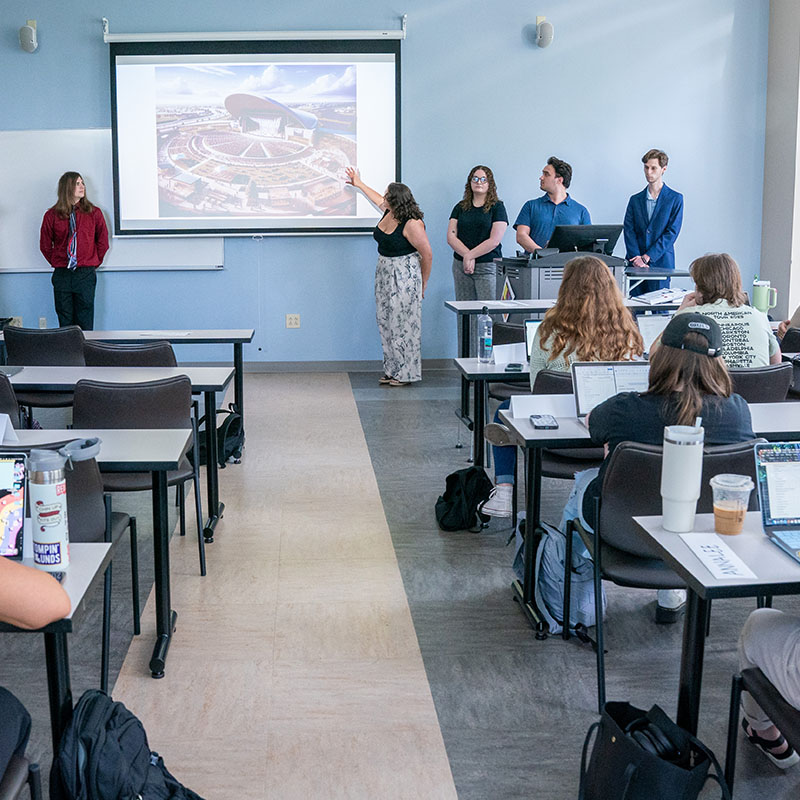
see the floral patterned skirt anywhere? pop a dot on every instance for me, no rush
(398, 305)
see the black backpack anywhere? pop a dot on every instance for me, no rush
(457, 508)
(230, 438)
(104, 753)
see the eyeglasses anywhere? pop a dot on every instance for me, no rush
(476, 179)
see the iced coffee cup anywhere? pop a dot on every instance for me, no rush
(731, 497)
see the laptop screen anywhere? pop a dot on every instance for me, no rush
(530, 331)
(651, 326)
(596, 381)
(778, 473)
(12, 503)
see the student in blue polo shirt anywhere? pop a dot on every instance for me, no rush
(538, 218)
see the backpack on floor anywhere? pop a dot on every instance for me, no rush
(104, 754)
(549, 578)
(457, 508)
(230, 438)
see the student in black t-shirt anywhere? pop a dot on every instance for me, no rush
(687, 380)
(476, 228)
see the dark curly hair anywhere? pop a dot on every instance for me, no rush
(402, 203)
(491, 196)
(562, 170)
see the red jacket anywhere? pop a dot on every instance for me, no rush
(92, 238)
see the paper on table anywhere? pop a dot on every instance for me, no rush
(510, 353)
(559, 405)
(9, 435)
(717, 556)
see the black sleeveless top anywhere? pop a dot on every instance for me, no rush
(394, 243)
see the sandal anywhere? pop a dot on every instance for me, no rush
(395, 382)
(788, 758)
(385, 380)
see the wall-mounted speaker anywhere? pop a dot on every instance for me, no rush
(544, 34)
(27, 36)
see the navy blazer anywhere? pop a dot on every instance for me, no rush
(656, 237)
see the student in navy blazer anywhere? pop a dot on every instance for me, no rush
(653, 221)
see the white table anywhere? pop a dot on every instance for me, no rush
(205, 380)
(773, 421)
(87, 562)
(776, 573)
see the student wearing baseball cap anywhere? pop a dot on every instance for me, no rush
(688, 379)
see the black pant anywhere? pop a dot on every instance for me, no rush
(73, 294)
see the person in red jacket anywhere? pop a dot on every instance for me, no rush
(74, 240)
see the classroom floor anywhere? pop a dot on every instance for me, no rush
(342, 646)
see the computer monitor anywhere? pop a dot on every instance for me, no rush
(585, 238)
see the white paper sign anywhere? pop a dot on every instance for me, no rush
(559, 405)
(510, 353)
(717, 556)
(8, 432)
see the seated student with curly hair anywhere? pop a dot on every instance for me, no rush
(589, 322)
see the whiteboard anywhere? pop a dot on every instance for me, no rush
(33, 161)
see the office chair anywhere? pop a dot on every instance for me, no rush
(768, 384)
(145, 354)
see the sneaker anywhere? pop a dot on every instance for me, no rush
(497, 434)
(499, 502)
(671, 605)
(783, 760)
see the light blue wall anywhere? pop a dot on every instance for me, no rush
(620, 77)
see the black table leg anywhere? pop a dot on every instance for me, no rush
(463, 412)
(58, 685)
(478, 445)
(215, 507)
(238, 379)
(165, 616)
(523, 593)
(694, 642)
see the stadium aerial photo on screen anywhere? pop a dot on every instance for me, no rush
(255, 140)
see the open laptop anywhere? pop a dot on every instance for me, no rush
(12, 503)
(778, 476)
(596, 381)
(531, 326)
(651, 326)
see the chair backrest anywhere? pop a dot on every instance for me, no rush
(8, 400)
(632, 487)
(550, 381)
(763, 384)
(46, 347)
(507, 333)
(791, 341)
(145, 354)
(153, 404)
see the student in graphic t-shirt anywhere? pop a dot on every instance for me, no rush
(476, 228)
(748, 340)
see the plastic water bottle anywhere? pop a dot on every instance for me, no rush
(485, 337)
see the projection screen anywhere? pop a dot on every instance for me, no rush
(227, 138)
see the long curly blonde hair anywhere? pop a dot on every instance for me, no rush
(589, 318)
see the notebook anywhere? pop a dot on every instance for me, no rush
(658, 296)
(596, 381)
(531, 326)
(12, 503)
(778, 476)
(651, 326)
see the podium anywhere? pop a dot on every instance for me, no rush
(538, 276)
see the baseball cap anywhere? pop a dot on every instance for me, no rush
(681, 324)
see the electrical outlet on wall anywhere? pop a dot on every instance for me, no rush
(16, 322)
(42, 322)
(292, 320)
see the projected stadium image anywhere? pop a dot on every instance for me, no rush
(244, 138)
(255, 142)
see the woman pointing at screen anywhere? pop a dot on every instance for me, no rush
(404, 266)
(74, 240)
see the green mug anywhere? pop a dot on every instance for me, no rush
(764, 296)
